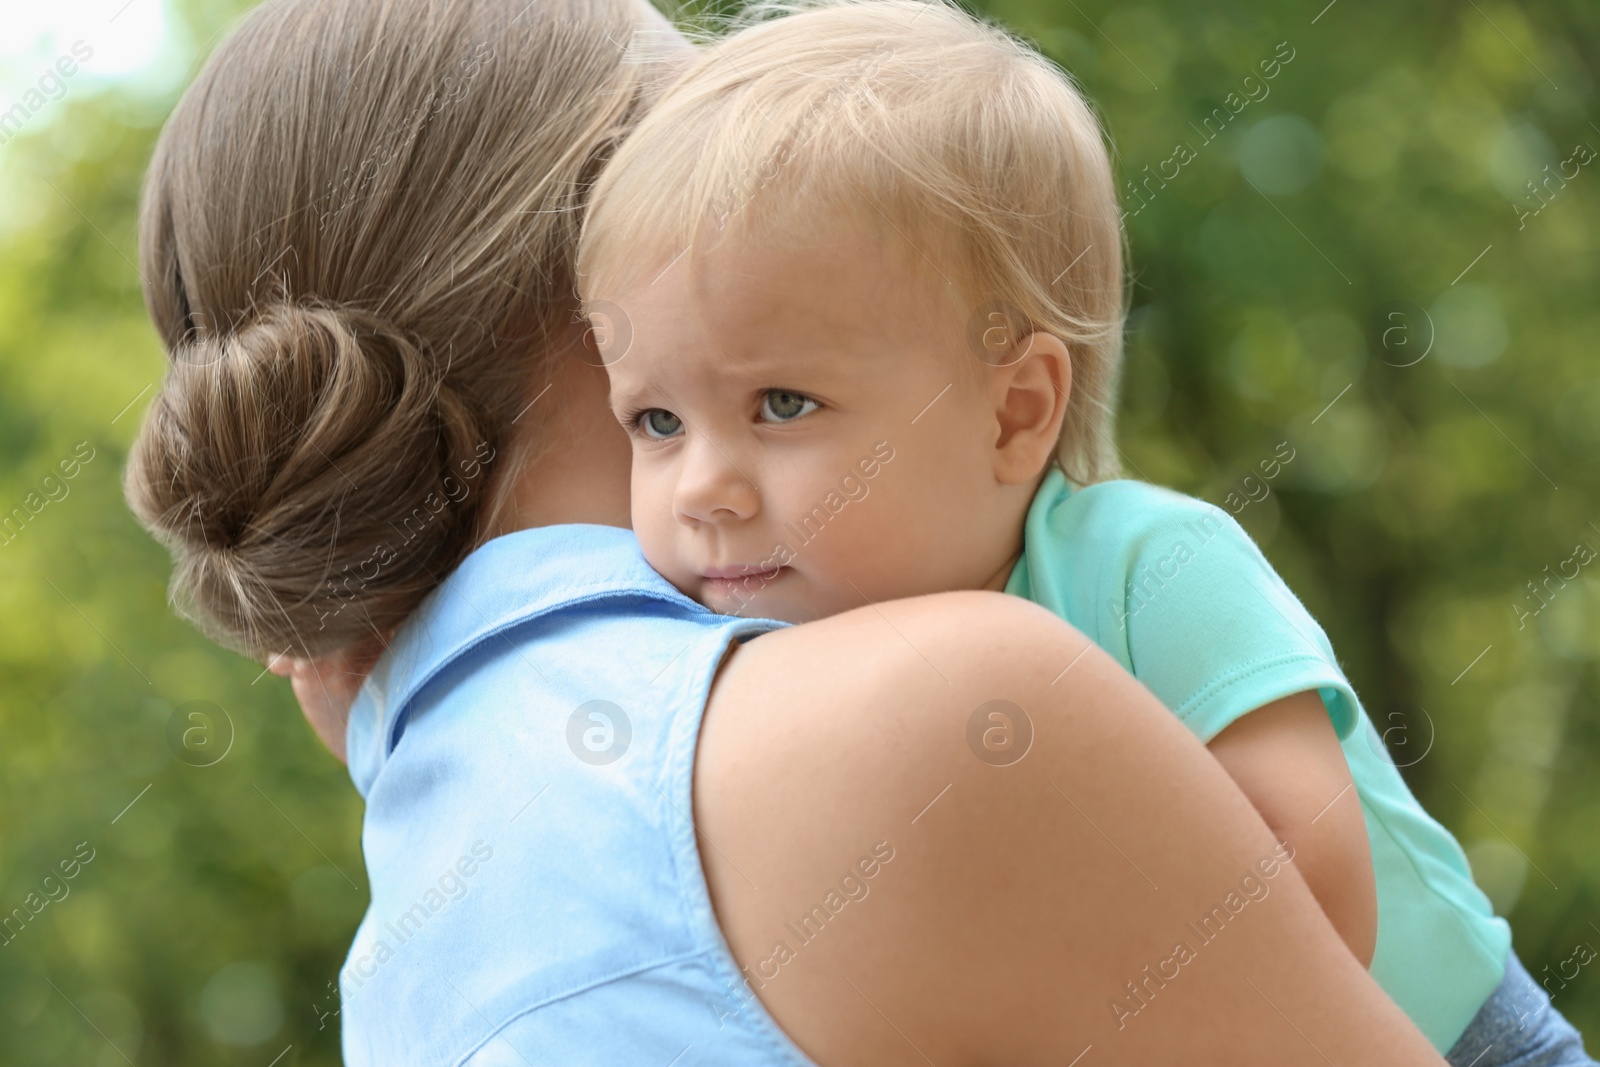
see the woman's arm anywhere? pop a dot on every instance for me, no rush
(1106, 896)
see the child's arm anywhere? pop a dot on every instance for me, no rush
(1286, 758)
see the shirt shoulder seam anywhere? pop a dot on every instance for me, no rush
(1244, 670)
(1254, 667)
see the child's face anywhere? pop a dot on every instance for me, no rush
(810, 432)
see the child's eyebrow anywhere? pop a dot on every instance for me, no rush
(621, 399)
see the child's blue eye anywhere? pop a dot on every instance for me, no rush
(780, 405)
(659, 423)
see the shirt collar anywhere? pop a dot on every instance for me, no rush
(504, 582)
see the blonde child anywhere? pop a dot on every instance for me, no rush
(857, 280)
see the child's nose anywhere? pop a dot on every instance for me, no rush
(711, 486)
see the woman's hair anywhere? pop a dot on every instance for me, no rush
(909, 114)
(357, 240)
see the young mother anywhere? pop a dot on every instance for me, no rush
(603, 825)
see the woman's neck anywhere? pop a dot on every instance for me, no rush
(574, 468)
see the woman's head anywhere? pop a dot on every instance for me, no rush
(357, 241)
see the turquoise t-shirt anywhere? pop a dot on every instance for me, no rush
(1177, 591)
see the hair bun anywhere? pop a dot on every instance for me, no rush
(311, 471)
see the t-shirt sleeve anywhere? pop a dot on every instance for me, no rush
(1211, 628)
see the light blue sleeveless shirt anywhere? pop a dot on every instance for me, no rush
(526, 748)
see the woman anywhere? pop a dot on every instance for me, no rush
(382, 424)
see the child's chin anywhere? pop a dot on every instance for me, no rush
(735, 597)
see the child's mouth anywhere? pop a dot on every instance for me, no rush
(740, 582)
(743, 570)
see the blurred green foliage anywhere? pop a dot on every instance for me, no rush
(1352, 266)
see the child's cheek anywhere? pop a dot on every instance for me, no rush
(869, 531)
(652, 521)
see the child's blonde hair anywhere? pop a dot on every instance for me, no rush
(971, 145)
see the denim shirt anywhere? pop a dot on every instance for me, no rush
(526, 749)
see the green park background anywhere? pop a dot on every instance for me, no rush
(1347, 264)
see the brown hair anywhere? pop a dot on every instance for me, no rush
(357, 238)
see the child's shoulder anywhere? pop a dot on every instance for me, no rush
(1124, 509)
(1134, 496)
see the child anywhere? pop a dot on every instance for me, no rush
(857, 280)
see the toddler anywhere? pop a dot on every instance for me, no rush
(857, 282)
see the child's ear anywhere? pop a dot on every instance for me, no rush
(1030, 390)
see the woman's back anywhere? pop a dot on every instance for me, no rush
(526, 750)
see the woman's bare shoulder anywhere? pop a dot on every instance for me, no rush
(933, 831)
(830, 775)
